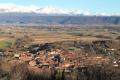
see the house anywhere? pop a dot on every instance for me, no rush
(32, 63)
(16, 56)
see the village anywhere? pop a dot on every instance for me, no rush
(79, 54)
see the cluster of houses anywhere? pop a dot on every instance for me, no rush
(50, 56)
(47, 57)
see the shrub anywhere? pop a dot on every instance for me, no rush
(19, 72)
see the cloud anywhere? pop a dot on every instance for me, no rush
(10, 7)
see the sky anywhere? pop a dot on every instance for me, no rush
(99, 6)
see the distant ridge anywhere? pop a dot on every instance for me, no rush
(62, 19)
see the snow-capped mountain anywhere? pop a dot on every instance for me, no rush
(50, 10)
(31, 8)
(10, 7)
(17, 14)
(13, 8)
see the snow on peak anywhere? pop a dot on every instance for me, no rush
(50, 10)
(10, 7)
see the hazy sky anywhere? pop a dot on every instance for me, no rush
(100, 6)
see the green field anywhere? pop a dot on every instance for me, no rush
(6, 43)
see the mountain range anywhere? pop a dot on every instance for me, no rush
(13, 14)
(34, 18)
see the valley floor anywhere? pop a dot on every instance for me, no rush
(59, 53)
